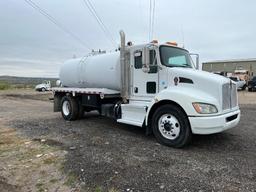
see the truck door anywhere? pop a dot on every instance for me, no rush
(144, 84)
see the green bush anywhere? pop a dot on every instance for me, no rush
(4, 86)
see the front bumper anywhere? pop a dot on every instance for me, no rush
(214, 124)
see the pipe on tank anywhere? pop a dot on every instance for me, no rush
(123, 67)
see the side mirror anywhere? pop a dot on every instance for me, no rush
(197, 59)
(145, 60)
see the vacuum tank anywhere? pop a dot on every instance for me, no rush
(97, 71)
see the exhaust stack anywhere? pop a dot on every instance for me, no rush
(124, 69)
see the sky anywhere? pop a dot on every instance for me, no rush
(32, 46)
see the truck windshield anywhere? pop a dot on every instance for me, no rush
(175, 57)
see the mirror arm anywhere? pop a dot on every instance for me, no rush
(197, 59)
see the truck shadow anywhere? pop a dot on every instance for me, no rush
(93, 125)
(211, 140)
(201, 141)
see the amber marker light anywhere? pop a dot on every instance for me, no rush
(154, 41)
(205, 108)
(172, 43)
(197, 107)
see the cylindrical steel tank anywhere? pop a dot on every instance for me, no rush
(98, 71)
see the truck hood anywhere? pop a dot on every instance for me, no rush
(198, 76)
(210, 84)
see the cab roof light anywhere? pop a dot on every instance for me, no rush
(154, 42)
(172, 43)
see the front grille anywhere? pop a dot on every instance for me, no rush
(234, 101)
(229, 96)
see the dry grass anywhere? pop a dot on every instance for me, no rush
(31, 165)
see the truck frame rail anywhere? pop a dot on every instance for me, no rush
(102, 92)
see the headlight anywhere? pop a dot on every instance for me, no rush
(204, 108)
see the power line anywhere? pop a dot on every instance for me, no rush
(54, 21)
(104, 26)
(93, 11)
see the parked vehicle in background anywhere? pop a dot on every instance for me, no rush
(240, 84)
(252, 84)
(45, 86)
(243, 74)
(222, 73)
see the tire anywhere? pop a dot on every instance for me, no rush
(69, 108)
(171, 127)
(244, 87)
(250, 89)
(43, 89)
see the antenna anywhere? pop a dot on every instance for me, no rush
(183, 37)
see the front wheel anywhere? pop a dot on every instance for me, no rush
(171, 126)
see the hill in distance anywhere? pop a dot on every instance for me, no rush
(24, 82)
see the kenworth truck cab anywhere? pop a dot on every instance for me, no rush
(152, 85)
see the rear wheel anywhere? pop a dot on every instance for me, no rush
(43, 89)
(69, 108)
(171, 126)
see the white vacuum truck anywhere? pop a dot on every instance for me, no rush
(151, 85)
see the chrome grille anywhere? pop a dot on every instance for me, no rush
(229, 96)
(234, 101)
(226, 96)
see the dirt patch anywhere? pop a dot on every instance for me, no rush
(26, 94)
(246, 97)
(49, 142)
(28, 165)
(6, 187)
(41, 97)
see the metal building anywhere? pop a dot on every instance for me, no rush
(230, 65)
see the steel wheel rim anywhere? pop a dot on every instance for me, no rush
(169, 126)
(66, 108)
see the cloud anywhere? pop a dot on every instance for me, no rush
(29, 67)
(214, 29)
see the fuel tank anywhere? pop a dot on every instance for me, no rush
(97, 71)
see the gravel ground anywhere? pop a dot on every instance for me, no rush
(107, 156)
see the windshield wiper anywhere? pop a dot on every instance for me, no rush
(184, 65)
